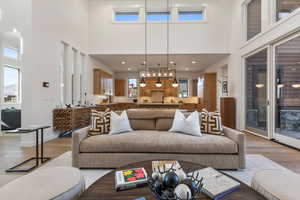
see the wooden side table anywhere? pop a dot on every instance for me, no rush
(38, 156)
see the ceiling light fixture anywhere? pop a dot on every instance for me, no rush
(187, 69)
(296, 86)
(158, 83)
(259, 85)
(142, 82)
(175, 83)
(280, 85)
(194, 62)
(123, 62)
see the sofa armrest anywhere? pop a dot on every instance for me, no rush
(78, 136)
(239, 138)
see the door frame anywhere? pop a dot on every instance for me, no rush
(278, 137)
(255, 131)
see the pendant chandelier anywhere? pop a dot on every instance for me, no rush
(144, 64)
(158, 73)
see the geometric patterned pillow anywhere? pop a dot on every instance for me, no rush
(211, 123)
(100, 122)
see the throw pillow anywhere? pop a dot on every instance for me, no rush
(100, 122)
(119, 123)
(189, 125)
(211, 122)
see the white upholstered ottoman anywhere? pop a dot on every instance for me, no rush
(57, 183)
(277, 184)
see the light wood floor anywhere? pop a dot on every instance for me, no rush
(11, 153)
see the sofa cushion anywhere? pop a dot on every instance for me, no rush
(142, 124)
(158, 142)
(150, 113)
(164, 124)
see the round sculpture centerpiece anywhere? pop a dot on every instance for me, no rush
(175, 184)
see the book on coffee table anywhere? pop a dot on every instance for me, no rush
(131, 178)
(165, 165)
(215, 184)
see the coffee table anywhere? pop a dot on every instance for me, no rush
(104, 188)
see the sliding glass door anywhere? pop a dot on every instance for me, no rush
(256, 93)
(287, 91)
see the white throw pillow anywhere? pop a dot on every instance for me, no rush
(189, 125)
(119, 123)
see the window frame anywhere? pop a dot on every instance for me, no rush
(19, 99)
(202, 9)
(245, 22)
(188, 87)
(14, 49)
(137, 88)
(158, 11)
(173, 14)
(126, 10)
(275, 13)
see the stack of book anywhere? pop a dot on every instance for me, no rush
(215, 184)
(131, 178)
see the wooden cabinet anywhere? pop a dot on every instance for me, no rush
(228, 112)
(102, 82)
(195, 87)
(120, 88)
(150, 85)
(169, 90)
(210, 91)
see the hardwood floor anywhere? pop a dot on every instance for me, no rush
(11, 153)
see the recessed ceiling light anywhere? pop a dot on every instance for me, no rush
(187, 69)
(171, 62)
(194, 62)
(129, 69)
(123, 62)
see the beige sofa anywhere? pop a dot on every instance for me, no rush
(151, 140)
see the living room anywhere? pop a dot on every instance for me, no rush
(149, 65)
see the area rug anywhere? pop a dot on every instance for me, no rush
(254, 162)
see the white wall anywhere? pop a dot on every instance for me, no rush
(106, 37)
(52, 22)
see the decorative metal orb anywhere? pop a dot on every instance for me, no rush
(181, 174)
(155, 176)
(183, 192)
(171, 180)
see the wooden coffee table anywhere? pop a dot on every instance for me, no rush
(104, 188)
